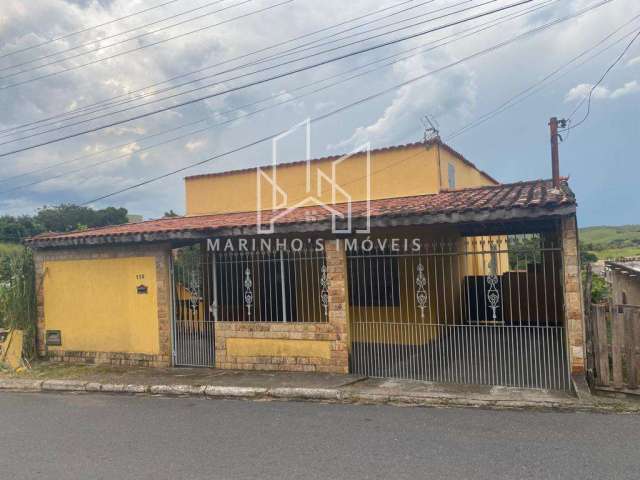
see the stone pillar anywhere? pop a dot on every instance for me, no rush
(338, 306)
(40, 326)
(573, 305)
(163, 281)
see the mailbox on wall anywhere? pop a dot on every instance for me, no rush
(54, 338)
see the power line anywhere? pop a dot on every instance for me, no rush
(209, 85)
(421, 50)
(102, 47)
(141, 47)
(346, 107)
(110, 103)
(258, 82)
(67, 35)
(102, 102)
(615, 62)
(535, 87)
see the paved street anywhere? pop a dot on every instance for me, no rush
(99, 436)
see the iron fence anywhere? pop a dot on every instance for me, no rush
(480, 310)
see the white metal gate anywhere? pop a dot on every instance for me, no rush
(475, 310)
(193, 329)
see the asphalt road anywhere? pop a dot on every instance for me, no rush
(121, 437)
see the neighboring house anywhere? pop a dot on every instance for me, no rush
(447, 275)
(624, 278)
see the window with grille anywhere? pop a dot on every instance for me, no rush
(373, 280)
(451, 176)
(270, 287)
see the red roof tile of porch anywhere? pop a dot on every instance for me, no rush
(521, 196)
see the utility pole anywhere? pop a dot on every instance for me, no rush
(555, 154)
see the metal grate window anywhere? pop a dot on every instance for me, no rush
(379, 282)
(283, 286)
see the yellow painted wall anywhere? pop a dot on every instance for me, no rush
(266, 347)
(404, 323)
(394, 173)
(480, 254)
(94, 303)
(466, 176)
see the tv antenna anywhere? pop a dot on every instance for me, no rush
(431, 129)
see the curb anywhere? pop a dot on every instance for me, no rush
(333, 395)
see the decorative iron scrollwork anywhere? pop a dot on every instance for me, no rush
(324, 290)
(248, 290)
(194, 292)
(422, 297)
(493, 296)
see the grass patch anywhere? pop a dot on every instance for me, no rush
(9, 248)
(615, 253)
(44, 370)
(610, 243)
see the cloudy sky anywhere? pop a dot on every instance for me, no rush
(228, 41)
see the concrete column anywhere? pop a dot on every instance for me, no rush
(338, 305)
(573, 304)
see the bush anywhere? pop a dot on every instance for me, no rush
(18, 296)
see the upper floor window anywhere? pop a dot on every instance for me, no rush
(452, 176)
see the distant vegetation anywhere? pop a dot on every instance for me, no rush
(60, 218)
(610, 243)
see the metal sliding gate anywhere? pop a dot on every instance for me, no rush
(475, 310)
(193, 324)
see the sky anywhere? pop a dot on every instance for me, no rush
(234, 37)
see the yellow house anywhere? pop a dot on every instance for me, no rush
(405, 261)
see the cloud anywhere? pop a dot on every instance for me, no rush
(194, 145)
(633, 61)
(442, 97)
(452, 97)
(581, 91)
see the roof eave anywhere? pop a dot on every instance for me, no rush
(383, 221)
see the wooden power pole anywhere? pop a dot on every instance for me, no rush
(555, 155)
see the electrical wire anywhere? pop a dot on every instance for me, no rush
(67, 35)
(230, 70)
(348, 106)
(148, 45)
(536, 87)
(111, 103)
(258, 82)
(588, 99)
(177, 77)
(114, 35)
(420, 50)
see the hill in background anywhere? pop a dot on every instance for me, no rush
(610, 243)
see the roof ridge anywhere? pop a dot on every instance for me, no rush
(420, 143)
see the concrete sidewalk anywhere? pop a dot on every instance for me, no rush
(214, 383)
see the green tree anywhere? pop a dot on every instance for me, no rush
(67, 217)
(586, 256)
(14, 229)
(18, 296)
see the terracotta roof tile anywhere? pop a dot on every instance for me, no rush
(522, 195)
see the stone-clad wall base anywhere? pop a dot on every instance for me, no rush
(109, 358)
(337, 362)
